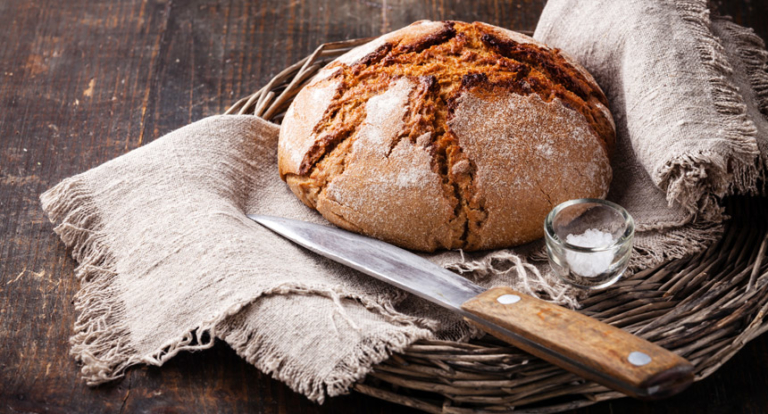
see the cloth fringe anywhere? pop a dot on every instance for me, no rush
(252, 347)
(751, 50)
(518, 273)
(696, 181)
(511, 270)
(673, 244)
(368, 354)
(101, 341)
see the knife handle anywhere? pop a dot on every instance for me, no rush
(580, 344)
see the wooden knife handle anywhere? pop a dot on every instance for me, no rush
(580, 344)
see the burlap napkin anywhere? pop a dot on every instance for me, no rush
(169, 262)
(687, 107)
(749, 62)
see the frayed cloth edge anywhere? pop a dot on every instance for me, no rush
(751, 50)
(695, 181)
(101, 341)
(254, 348)
(672, 244)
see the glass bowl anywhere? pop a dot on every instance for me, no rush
(589, 242)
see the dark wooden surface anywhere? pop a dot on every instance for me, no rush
(84, 81)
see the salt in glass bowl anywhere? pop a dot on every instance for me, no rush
(589, 242)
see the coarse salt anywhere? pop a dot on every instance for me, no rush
(589, 264)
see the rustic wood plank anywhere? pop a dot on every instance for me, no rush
(82, 82)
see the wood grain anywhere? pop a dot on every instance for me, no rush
(84, 81)
(581, 344)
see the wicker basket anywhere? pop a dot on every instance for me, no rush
(705, 307)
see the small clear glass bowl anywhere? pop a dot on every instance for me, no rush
(589, 242)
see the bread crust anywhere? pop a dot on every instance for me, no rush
(447, 135)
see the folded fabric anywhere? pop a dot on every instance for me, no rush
(168, 260)
(673, 92)
(749, 61)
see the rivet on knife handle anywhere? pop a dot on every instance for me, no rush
(569, 339)
(578, 343)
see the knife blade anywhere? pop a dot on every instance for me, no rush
(573, 341)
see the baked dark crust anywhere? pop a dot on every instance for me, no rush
(437, 66)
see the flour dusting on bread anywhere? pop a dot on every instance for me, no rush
(373, 176)
(305, 112)
(447, 135)
(530, 155)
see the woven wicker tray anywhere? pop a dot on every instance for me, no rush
(705, 307)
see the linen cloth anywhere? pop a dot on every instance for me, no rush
(688, 116)
(169, 262)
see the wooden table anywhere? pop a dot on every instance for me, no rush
(82, 82)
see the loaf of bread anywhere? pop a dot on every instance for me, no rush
(447, 135)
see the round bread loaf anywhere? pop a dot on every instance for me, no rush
(447, 135)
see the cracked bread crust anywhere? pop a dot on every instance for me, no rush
(446, 135)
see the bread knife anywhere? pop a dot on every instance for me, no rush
(568, 339)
